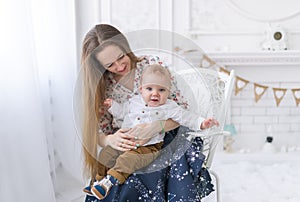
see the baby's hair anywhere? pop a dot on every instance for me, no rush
(159, 71)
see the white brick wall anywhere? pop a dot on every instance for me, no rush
(255, 121)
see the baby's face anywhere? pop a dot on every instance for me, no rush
(154, 90)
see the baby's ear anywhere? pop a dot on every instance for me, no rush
(140, 88)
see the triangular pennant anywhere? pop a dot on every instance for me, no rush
(259, 90)
(279, 97)
(177, 49)
(222, 69)
(190, 51)
(206, 62)
(239, 87)
(296, 94)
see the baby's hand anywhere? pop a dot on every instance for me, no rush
(208, 123)
(108, 102)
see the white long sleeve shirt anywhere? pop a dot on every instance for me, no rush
(136, 111)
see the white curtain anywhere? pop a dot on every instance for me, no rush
(37, 75)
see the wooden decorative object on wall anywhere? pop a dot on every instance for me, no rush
(224, 70)
(259, 90)
(296, 94)
(206, 61)
(239, 87)
(278, 98)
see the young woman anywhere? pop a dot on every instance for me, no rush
(111, 70)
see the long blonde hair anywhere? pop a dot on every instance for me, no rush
(94, 85)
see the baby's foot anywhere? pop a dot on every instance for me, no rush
(88, 191)
(101, 189)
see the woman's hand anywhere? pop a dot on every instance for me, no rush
(140, 142)
(145, 131)
(121, 140)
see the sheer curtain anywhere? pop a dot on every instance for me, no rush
(37, 76)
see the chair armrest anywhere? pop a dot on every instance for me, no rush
(193, 135)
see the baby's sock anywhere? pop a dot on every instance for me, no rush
(102, 188)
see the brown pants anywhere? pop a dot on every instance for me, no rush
(121, 164)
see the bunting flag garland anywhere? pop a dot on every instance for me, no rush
(259, 90)
(177, 49)
(279, 93)
(240, 84)
(224, 70)
(206, 61)
(296, 94)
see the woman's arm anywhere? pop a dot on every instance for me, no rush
(170, 125)
(146, 131)
(120, 140)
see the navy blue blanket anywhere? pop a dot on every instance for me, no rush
(177, 175)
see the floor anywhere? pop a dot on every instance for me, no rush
(258, 176)
(68, 189)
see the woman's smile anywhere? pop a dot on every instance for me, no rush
(123, 70)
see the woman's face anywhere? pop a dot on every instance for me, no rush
(114, 60)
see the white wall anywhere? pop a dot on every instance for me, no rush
(235, 25)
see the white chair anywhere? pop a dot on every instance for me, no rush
(211, 91)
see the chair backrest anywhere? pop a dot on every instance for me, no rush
(211, 140)
(210, 92)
